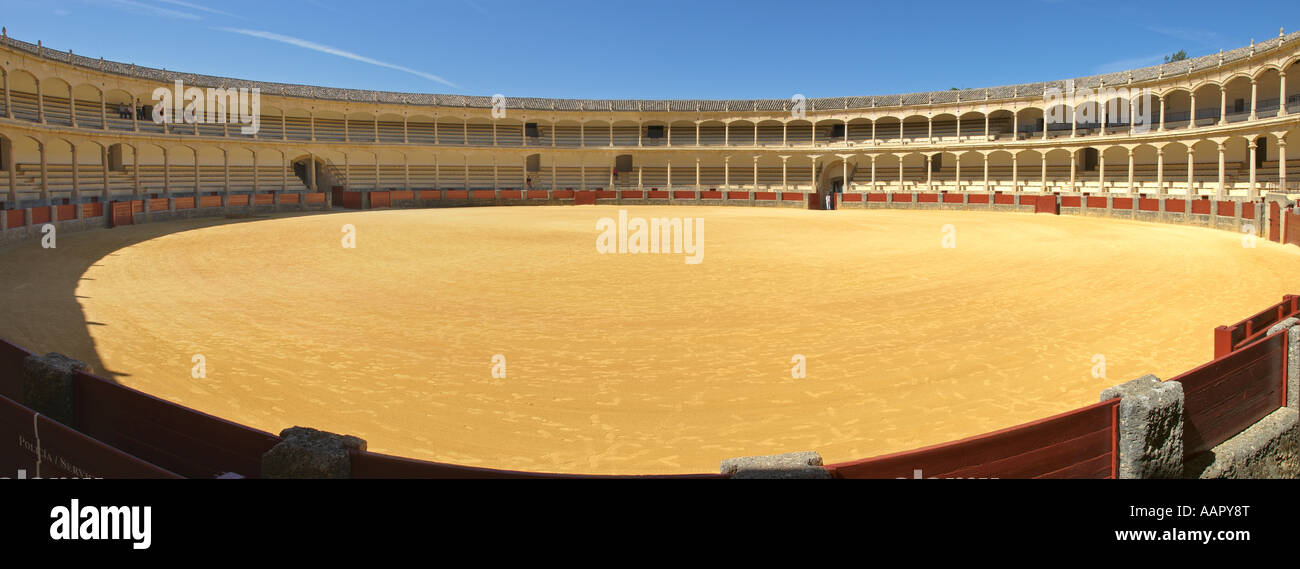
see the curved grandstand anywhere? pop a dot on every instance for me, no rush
(1200, 142)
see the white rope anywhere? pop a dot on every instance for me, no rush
(36, 432)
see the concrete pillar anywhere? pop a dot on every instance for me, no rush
(1223, 104)
(1150, 427)
(1222, 171)
(798, 465)
(1160, 173)
(986, 172)
(1281, 96)
(1252, 192)
(1254, 96)
(1131, 188)
(47, 385)
(1281, 165)
(308, 453)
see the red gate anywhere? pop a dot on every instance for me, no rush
(584, 197)
(1274, 222)
(123, 213)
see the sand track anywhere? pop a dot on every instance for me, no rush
(637, 363)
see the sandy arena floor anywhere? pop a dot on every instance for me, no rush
(637, 363)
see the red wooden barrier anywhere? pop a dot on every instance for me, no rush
(1122, 203)
(239, 199)
(792, 196)
(1236, 336)
(877, 197)
(485, 195)
(210, 201)
(1227, 209)
(763, 196)
(606, 194)
(710, 195)
(1071, 201)
(952, 198)
(259, 199)
(1175, 205)
(317, 197)
(40, 215)
(977, 198)
(123, 214)
(405, 194)
(737, 195)
(350, 200)
(185, 203)
(381, 199)
(537, 194)
(1047, 204)
(683, 195)
(1223, 397)
(67, 212)
(505, 194)
(1201, 207)
(457, 194)
(430, 195)
(1004, 199)
(850, 198)
(11, 370)
(1076, 444)
(1148, 204)
(633, 194)
(584, 197)
(1248, 210)
(562, 194)
(17, 217)
(927, 198)
(182, 440)
(375, 465)
(292, 198)
(65, 453)
(1292, 219)
(901, 197)
(1274, 222)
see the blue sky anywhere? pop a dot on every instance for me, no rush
(665, 49)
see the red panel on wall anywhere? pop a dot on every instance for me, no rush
(239, 199)
(1122, 203)
(606, 194)
(978, 198)
(537, 194)
(1176, 205)
(430, 195)
(1228, 209)
(381, 199)
(927, 198)
(351, 200)
(40, 215)
(900, 197)
(1071, 201)
(185, 203)
(123, 214)
(658, 194)
(1201, 207)
(1047, 204)
(683, 194)
(505, 194)
(1076, 444)
(952, 198)
(737, 195)
(1233, 392)
(850, 198)
(209, 201)
(457, 194)
(562, 194)
(1248, 210)
(877, 197)
(67, 212)
(1096, 202)
(1148, 204)
(317, 197)
(791, 196)
(585, 197)
(765, 196)
(17, 217)
(633, 194)
(484, 195)
(710, 195)
(1004, 199)
(258, 199)
(289, 198)
(405, 194)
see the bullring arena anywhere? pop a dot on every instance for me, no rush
(985, 276)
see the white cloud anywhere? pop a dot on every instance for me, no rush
(305, 44)
(147, 9)
(200, 8)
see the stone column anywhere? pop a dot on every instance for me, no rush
(799, 465)
(306, 453)
(1252, 193)
(1150, 427)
